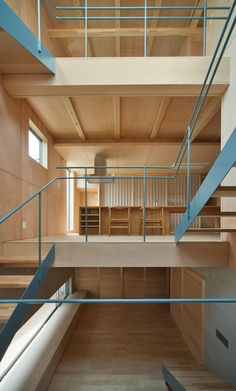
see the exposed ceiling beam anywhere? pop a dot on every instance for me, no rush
(194, 23)
(131, 142)
(117, 23)
(161, 112)
(74, 117)
(82, 24)
(178, 76)
(125, 32)
(153, 23)
(116, 114)
(212, 106)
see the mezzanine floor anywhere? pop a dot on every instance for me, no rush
(74, 237)
(194, 250)
(121, 347)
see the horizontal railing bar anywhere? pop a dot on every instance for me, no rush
(139, 8)
(110, 301)
(111, 167)
(140, 18)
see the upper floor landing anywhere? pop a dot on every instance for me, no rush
(118, 28)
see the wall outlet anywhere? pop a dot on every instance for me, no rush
(24, 225)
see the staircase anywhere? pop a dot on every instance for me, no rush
(193, 378)
(221, 191)
(211, 187)
(14, 281)
(20, 278)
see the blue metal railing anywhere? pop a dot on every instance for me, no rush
(171, 380)
(185, 145)
(86, 10)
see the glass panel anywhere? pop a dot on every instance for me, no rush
(34, 146)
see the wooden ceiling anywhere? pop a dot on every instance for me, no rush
(128, 130)
(109, 38)
(125, 118)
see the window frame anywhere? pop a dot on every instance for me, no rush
(43, 145)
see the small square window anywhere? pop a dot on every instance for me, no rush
(37, 145)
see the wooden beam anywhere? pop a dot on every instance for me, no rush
(212, 106)
(161, 112)
(153, 24)
(82, 23)
(117, 23)
(159, 76)
(194, 23)
(125, 32)
(116, 114)
(74, 118)
(132, 142)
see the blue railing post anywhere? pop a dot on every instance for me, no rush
(86, 204)
(40, 233)
(144, 203)
(204, 27)
(189, 172)
(85, 28)
(145, 29)
(39, 26)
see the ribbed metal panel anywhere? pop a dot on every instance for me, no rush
(177, 197)
(129, 192)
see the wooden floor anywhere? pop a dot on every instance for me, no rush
(121, 347)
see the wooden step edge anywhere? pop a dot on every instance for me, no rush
(15, 281)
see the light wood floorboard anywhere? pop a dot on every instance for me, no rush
(121, 347)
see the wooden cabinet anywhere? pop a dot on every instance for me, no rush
(93, 220)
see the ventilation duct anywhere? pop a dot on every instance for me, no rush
(100, 161)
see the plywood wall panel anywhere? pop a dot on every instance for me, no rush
(193, 314)
(187, 283)
(9, 199)
(124, 282)
(87, 279)
(20, 175)
(111, 282)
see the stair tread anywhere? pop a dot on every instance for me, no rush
(199, 378)
(18, 261)
(18, 258)
(225, 191)
(15, 281)
(5, 313)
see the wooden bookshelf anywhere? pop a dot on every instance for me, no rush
(93, 220)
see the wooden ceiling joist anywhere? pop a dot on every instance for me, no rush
(118, 32)
(117, 23)
(209, 111)
(161, 112)
(194, 22)
(91, 50)
(74, 118)
(131, 142)
(153, 24)
(116, 113)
